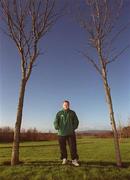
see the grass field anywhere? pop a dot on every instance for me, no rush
(40, 160)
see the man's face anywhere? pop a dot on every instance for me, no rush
(65, 106)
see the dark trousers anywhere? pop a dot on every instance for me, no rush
(71, 139)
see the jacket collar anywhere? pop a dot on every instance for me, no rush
(66, 110)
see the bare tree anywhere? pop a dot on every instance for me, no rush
(26, 22)
(98, 19)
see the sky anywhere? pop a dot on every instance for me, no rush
(62, 73)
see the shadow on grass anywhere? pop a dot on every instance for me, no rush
(101, 164)
(30, 146)
(90, 164)
(42, 145)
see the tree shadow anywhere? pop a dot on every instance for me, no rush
(85, 164)
(100, 164)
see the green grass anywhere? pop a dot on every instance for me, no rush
(40, 160)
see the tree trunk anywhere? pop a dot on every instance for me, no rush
(15, 148)
(112, 119)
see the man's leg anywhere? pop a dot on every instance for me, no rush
(63, 150)
(73, 146)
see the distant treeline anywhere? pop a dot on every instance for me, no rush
(123, 132)
(6, 134)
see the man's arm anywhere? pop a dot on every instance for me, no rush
(56, 122)
(76, 121)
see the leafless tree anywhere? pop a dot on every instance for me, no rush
(26, 22)
(98, 19)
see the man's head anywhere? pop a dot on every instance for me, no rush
(66, 105)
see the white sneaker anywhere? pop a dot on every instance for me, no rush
(64, 161)
(75, 162)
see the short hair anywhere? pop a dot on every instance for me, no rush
(66, 101)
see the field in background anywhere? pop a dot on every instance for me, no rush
(40, 160)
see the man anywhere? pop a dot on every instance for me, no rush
(66, 122)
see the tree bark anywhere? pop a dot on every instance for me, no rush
(112, 119)
(16, 141)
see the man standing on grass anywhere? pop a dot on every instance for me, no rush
(66, 122)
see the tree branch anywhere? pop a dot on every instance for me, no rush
(92, 62)
(117, 55)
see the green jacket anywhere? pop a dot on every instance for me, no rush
(66, 122)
